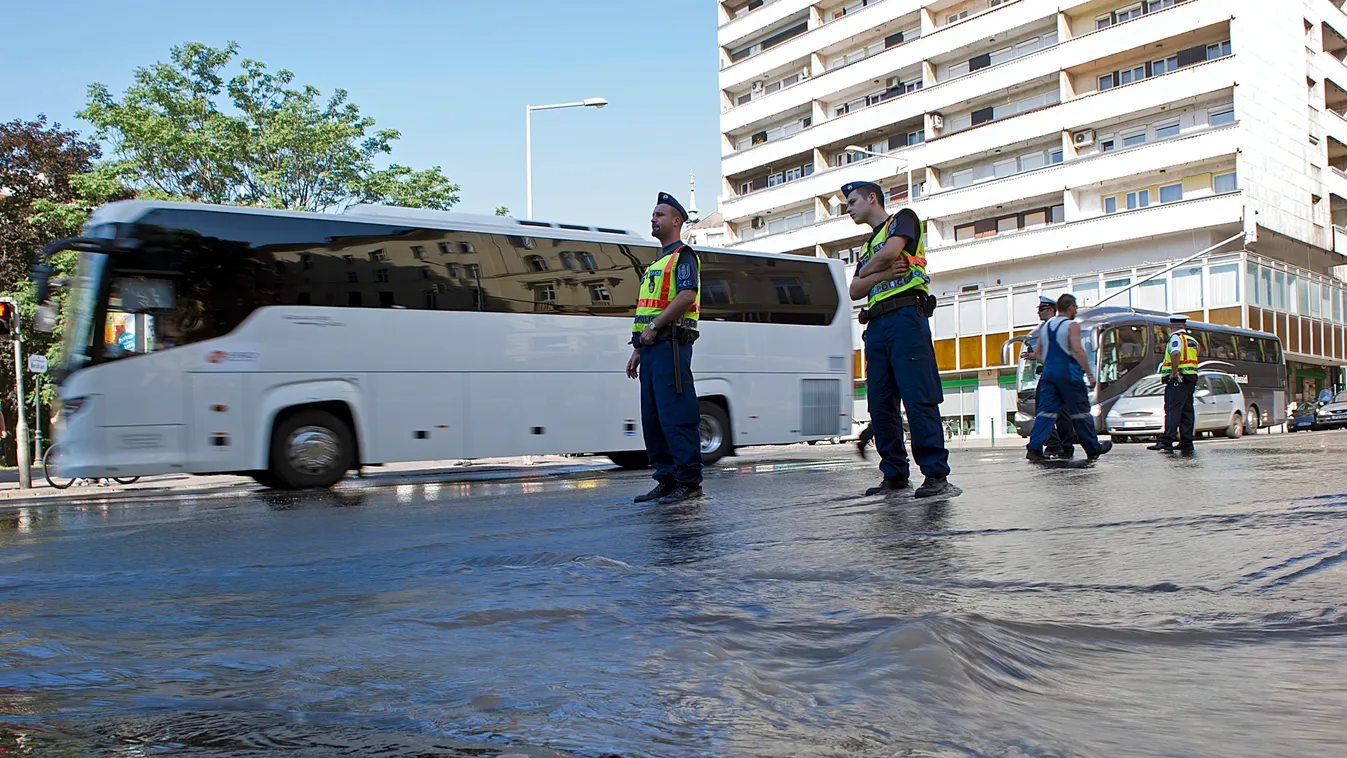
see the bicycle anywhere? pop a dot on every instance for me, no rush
(51, 469)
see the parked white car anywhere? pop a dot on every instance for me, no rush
(1218, 405)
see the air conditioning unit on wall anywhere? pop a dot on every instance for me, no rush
(1083, 138)
(757, 222)
(757, 86)
(937, 121)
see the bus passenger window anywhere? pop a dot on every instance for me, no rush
(1121, 350)
(1249, 349)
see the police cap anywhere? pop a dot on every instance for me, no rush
(1178, 319)
(1045, 300)
(666, 199)
(851, 187)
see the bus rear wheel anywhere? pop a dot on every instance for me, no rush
(310, 449)
(714, 428)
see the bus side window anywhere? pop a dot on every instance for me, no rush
(1272, 352)
(1159, 340)
(1250, 349)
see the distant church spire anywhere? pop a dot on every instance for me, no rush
(693, 215)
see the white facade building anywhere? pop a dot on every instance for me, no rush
(1055, 146)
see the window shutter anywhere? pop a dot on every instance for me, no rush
(982, 116)
(981, 61)
(893, 39)
(1192, 55)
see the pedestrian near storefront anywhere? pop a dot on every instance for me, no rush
(900, 355)
(1179, 371)
(662, 337)
(1060, 441)
(1066, 373)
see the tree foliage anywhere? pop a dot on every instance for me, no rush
(272, 144)
(502, 211)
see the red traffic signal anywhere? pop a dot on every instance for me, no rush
(8, 320)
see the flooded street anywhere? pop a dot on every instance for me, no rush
(1149, 605)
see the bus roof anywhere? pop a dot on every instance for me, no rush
(131, 211)
(1109, 315)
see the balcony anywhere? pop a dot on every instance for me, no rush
(1339, 240)
(746, 25)
(820, 183)
(1156, 220)
(1149, 158)
(1132, 35)
(828, 230)
(1088, 108)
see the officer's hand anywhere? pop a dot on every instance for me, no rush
(633, 364)
(900, 267)
(648, 336)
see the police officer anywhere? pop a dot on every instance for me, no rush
(1179, 386)
(1059, 444)
(1061, 389)
(662, 337)
(900, 356)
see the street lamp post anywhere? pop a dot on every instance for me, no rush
(593, 102)
(911, 195)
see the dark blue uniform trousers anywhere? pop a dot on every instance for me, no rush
(900, 367)
(670, 420)
(1180, 416)
(1061, 389)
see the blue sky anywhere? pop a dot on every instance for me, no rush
(453, 76)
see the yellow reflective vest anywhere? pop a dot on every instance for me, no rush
(1187, 356)
(657, 291)
(916, 278)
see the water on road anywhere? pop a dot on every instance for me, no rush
(1149, 605)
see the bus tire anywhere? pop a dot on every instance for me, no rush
(1251, 420)
(714, 429)
(630, 459)
(266, 479)
(311, 448)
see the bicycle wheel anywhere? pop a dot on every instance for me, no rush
(51, 469)
(126, 479)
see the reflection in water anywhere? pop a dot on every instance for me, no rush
(682, 532)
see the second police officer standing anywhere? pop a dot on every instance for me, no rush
(1179, 386)
(899, 353)
(662, 337)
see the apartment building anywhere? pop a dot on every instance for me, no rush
(1055, 146)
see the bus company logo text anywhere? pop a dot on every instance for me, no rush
(1241, 378)
(222, 357)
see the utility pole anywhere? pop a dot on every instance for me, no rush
(9, 329)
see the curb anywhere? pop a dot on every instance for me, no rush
(19, 498)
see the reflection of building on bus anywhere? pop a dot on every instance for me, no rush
(414, 335)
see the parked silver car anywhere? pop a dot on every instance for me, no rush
(1218, 405)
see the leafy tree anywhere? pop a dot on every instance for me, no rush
(502, 211)
(273, 145)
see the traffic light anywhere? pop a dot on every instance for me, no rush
(9, 321)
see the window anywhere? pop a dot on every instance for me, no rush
(715, 292)
(587, 261)
(426, 273)
(418, 252)
(951, 18)
(1032, 161)
(1005, 168)
(445, 248)
(1171, 193)
(544, 293)
(962, 233)
(1035, 219)
(466, 248)
(567, 260)
(1055, 156)
(455, 271)
(536, 262)
(1106, 146)
(473, 271)
(599, 293)
(790, 291)
(1106, 81)
(377, 255)
(1110, 205)
(380, 274)
(1187, 294)
(1139, 199)
(962, 178)
(1134, 139)
(1218, 50)
(1168, 130)
(306, 261)
(352, 277)
(1223, 183)
(1007, 224)
(349, 259)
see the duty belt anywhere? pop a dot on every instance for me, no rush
(891, 304)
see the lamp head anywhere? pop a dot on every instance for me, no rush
(595, 102)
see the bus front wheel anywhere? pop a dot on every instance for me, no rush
(311, 448)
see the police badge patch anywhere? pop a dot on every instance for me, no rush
(684, 270)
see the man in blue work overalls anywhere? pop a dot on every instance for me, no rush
(1066, 372)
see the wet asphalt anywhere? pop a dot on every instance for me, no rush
(1144, 605)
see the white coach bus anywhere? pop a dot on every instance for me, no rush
(294, 347)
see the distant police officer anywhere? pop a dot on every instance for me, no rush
(900, 356)
(1066, 371)
(662, 337)
(1179, 371)
(1059, 444)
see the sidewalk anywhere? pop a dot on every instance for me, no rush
(170, 486)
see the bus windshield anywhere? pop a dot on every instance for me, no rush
(1121, 349)
(129, 314)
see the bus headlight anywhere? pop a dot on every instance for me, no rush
(1095, 411)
